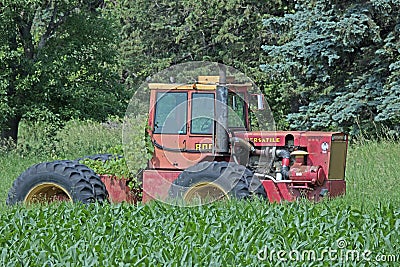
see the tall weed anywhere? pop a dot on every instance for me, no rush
(6, 145)
(75, 139)
(372, 174)
(79, 138)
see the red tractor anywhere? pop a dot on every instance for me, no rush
(204, 149)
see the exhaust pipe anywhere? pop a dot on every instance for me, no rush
(221, 113)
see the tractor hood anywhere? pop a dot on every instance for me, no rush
(281, 138)
(263, 138)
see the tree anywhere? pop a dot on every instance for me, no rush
(158, 34)
(337, 63)
(58, 61)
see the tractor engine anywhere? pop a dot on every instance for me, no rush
(308, 163)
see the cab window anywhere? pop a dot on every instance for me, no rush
(202, 113)
(170, 113)
(236, 110)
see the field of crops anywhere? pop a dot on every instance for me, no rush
(359, 229)
(222, 234)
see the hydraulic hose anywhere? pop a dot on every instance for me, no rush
(285, 155)
(157, 145)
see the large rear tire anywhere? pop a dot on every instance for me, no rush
(209, 181)
(61, 180)
(99, 186)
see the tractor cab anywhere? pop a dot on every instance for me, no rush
(184, 120)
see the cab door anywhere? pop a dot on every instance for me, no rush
(201, 124)
(182, 128)
(169, 128)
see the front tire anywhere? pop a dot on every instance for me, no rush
(61, 180)
(210, 181)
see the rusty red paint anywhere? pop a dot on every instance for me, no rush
(336, 188)
(272, 191)
(118, 190)
(174, 153)
(156, 183)
(277, 192)
(288, 191)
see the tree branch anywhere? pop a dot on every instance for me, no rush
(47, 33)
(24, 24)
(53, 25)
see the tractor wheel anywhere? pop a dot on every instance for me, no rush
(99, 186)
(209, 181)
(57, 181)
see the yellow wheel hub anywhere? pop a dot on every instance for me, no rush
(47, 192)
(205, 192)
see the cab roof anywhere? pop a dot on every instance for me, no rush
(206, 83)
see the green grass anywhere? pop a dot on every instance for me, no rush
(229, 233)
(372, 175)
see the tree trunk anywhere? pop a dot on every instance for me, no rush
(11, 128)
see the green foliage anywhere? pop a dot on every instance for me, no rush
(36, 134)
(137, 144)
(370, 175)
(117, 168)
(337, 64)
(114, 166)
(80, 138)
(58, 58)
(156, 35)
(76, 139)
(6, 145)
